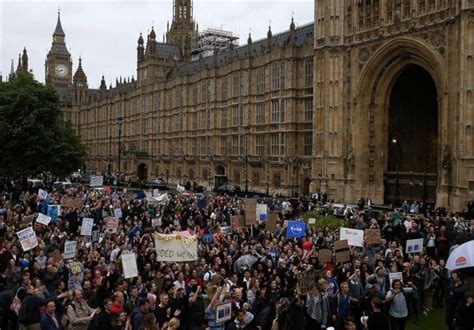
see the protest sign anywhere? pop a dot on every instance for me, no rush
(95, 236)
(372, 236)
(261, 212)
(237, 222)
(295, 229)
(395, 276)
(118, 213)
(414, 245)
(307, 280)
(156, 192)
(111, 224)
(207, 239)
(250, 211)
(74, 203)
(175, 248)
(223, 312)
(341, 248)
(54, 211)
(43, 219)
(86, 227)
(129, 265)
(354, 237)
(70, 249)
(42, 194)
(271, 223)
(76, 267)
(180, 188)
(148, 194)
(311, 221)
(226, 230)
(96, 181)
(156, 222)
(27, 239)
(325, 255)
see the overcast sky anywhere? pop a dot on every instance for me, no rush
(105, 33)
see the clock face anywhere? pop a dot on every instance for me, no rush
(61, 70)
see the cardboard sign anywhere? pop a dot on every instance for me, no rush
(175, 248)
(73, 203)
(372, 236)
(118, 213)
(156, 192)
(27, 239)
(111, 224)
(250, 211)
(414, 245)
(307, 280)
(311, 221)
(54, 211)
(355, 237)
(86, 227)
(96, 181)
(226, 230)
(341, 248)
(129, 265)
(261, 212)
(42, 194)
(43, 219)
(325, 255)
(237, 222)
(70, 249)
(223, 312)
(395, 276)
(271, 223)
(295, 229)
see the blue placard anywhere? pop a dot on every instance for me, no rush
(295, 229)
(263, 217)
(53, 212)
(139, 195)
(201, 203)
(207, 239)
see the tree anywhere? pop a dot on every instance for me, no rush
(34, 138)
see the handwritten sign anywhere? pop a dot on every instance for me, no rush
(86, 227)
(271, 223)
(325, 255)
(226, 230)
(118, 213)
(42, 194)
(250, 211)
(372, 236)
(96, 181)
(395, 276)
(43, 219)
(73, 203)
(27, 239)
(341, 248)
(311, 221)
(175, 248)
(261, 212)
(70, 249)
(307, 280)
(354, 237)
(129, 265)
(111, 224)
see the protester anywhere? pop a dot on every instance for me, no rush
(240, 276)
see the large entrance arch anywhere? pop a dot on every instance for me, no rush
(412, 139)
(142, 172)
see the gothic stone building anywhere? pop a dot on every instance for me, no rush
(372, 100)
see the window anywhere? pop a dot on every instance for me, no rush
(194, 120)
(308, 73)
(235, 145)
(237, 177)
(224, 89)
(177, 98)
(205, 174)
(208, 91)
(278, 111)
(176, 123)
(260, 145)
(158, 102)
(256, 178)
(194, 147)
(261, 81)
(224, 118)
(260, 110)
(277, 180)
(203, 145)
(144, 104)
(277, 144)
(144, 127)
(308, 109)
(236, 85)
(308, 143)
(203, 119)
(204, 92)
(223, 146)
(278, 75)
(236, 115)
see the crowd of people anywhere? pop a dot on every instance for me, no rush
(40, 289)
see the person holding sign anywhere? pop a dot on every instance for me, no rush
(79, 313)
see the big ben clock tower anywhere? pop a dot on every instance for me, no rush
(58, 65)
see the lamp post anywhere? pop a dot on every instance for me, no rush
(246, 165)
(110, 154)
(119, 122)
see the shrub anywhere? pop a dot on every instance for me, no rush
(323, 221)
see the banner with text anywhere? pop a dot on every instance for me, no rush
(175, 248)
(97, 181)
(27, 238)
(354, 237)
(70, 249)
(86, 228)
(129, 265)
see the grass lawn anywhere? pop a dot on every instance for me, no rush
(434, 320)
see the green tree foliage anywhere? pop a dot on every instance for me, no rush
(34, 138)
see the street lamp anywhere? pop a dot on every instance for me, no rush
(110, 154)
(246, 165)
(119, 122)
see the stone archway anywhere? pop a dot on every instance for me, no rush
(220, 176)
(370, 119)
(142, 172)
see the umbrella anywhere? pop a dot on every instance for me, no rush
(461, 257)
(244, 262)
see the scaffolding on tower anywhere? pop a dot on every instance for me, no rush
(213, 39)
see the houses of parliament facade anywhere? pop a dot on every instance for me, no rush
(374, 99)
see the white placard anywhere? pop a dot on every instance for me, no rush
(156, 192)
(180, 188)
(395, 276)
(27, 239)
(129, 265)
(223, 312)
(354, 237)
(43, 219)
(261, 210)
(118, 213)
(414, 245)
(97, 181)
(311, 221)
(175, 248)
(42, 194)
(86, 228)
(70, 249)
(226, 230)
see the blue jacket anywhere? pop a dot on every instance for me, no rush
(47, 323)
